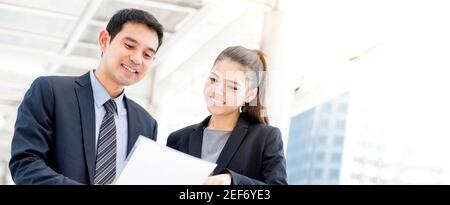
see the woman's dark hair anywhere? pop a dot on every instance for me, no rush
(255, 71)
(123, 16)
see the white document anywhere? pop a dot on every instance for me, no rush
(155, 164)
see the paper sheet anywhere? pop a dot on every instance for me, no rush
(154, 164)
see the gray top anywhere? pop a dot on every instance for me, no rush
(213, 143)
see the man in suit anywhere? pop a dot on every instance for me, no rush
(79, 130)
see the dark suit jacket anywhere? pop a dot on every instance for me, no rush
(253, 154)
(54, 137)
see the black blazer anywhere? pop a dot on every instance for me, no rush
(54, 137)
(253, 154)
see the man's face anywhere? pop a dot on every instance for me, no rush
(129, 54)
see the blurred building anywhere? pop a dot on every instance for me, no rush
(316, 143)
(336, 142)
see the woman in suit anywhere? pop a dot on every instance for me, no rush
(237, 135)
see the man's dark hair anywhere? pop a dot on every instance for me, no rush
(123, 16)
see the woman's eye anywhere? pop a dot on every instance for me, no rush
(212, 79)
(233, 88)
(128, 46)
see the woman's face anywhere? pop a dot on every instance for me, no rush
(226, 88)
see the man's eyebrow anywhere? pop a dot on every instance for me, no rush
(135, 41)
(130, 39)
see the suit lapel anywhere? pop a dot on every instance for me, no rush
(232, 145)
(133, 125)
(86, 105)
(196, 138)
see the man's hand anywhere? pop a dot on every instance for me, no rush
(221, 179)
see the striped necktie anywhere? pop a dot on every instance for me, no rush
(105, 164)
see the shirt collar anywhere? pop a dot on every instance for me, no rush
(101, 95)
